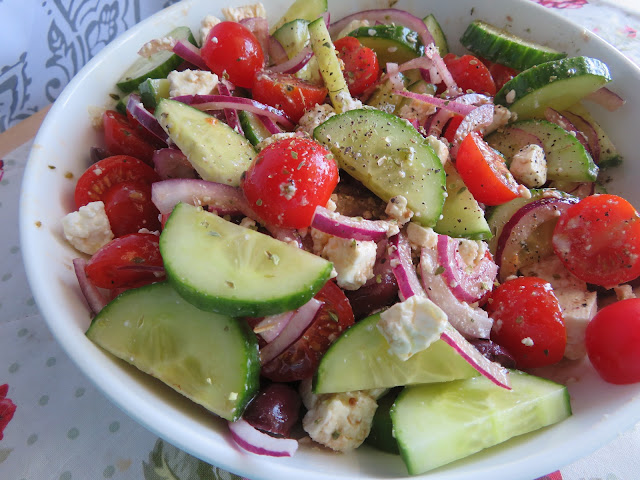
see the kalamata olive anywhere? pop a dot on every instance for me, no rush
(98, 153)
(275, 409)
(379, 292)
(494, 352)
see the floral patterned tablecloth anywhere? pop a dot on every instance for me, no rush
(62, 427)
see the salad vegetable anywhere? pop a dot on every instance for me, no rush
(349, 216)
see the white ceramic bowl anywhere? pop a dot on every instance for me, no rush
(600, 410)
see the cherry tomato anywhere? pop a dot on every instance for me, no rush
(301, 359)
(288, 180)
(123, 138)
(612, 340)
(500, 73)
(231, 50)
(528, 321)
(361, 67)
(288, 93)
(451, 128)
(101, 176)
(470, 73)
(127, 262)
(484, 172)
(598, 240)
(129, 208)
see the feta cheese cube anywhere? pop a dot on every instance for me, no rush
(578, 308)
(421, 237)
(274, 138)
(441, 149)
(191, 82)
(501, 116)
(157, 45)
(235, 14)
(352, 259)
(206, 25)
(314, 117)
(397, 209)
(88, 229)
(529, 166)
(417, 110)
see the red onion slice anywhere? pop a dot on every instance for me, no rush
(563, 122)
(492, 370)
(172, 163)
(166, 194)
(260, 29)
(607, 99)
(1, 169)
(342, 226)
(92, 295)
(403, 269)
(436, 122)
(225, 87)
(270, 125)
(449, 105)
(277, 53)
(301, 319)
(295, 64)
(253, 440)
(270, 327)
(477, 119)
(588, 130)
(520, 226)
(469, 283)
(146, 118)
(189, 52)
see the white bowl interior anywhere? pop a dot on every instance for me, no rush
(600, 410)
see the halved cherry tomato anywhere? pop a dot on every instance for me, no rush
(301, 359)
(231, 50)
(127, 262)
(500, 73)
(528, 321)
(288, 93)
(470, 73)
(452, 127)
(612, 340)
(129, 208)
(288, 179)
(102, 175)
(484, 172)
(123, 138)
(598, 240)
(361, 67)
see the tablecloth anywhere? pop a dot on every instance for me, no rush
(64, 429)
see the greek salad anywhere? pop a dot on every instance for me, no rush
(341, 231)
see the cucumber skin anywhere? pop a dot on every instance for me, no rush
(380, 37)
(381, 434)
(437, 33)
(252, 127)
(301, 9)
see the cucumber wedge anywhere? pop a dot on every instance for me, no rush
(439, 423)
(216, 151)
(294, 36)
(392, 43)
(500, 46)
(557, 84)
(121, 104)
(157, 65)
(221, 267)
(254, 130)
(381, 433)
(210, 358)
(370, 365)
(567, 159)
(152, 90)
(303, 9)
(389, 157)
(438, 35)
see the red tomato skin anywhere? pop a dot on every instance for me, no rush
(451, 128)
(526, 308)
(129, 208)
(361, 66)
(301, 359)
(470, 73)
(123, 138)
(501, 74)
(105, 268)
(612, 339)
(288, 93)
(484, 172)
(233, 51)
(288, 179)
(598, 240)
(94, 183)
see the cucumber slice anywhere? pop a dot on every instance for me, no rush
(567, 159)
(294, 36)
(216, 151)
(254, 130)
(557, 84)
(462, 217)
(381, 433)
(210, 358)
(157, 65)
(392, 43)
(302, 9)
(439, 38)
(384, 99)
(221, 267)
(389, 157)
(121, 104)
(439, 423)
(500, 46)
(152, 90)
(366, 352)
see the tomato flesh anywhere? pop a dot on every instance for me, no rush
(528, 321)
(612, 340)
(129, 208)
(470, 74)
(288, 179)
(123, 138)
(501, 74)
(598, 240)
(361, 66)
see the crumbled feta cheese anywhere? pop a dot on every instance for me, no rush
(510, 97)
(472, 252)
(351, 26)
(206, 25)
(501, 116)
(348, 102)
(578, 308)
(397, 209)
(441, 149)
(624, 292)
(421, 237)
(314, 117)
(341, 421)
(411, 326)
(527, 342)
(235, 14)
(331, 204)
(418, 110)
(352, 259)
(529, 166)
(320, 240)
(157, 45)
(247, 222)
(96, 114)
(88, 229)
(191, 82)
(274, 138)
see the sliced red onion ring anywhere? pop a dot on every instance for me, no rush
(469, 283)
(260, 29)
(286, 235)
(588, 130)
(270, 125)
(521, 225)
(294, 64)
(172, 163)
(477, 119)
(146, 118)
(253, 440)
(402, 267)
(393, 75)
(342, 226)
(166, 194)
(432, 52)
(492, 370)
(220, 102)
(270, 327)
(277, 53)
(473, 99)
(563, 122)
(1, 169)
(225, 87)
(92, 295)
(301, 319)
(189, 52)
(607, 99)
(450, 105)
(436, 122)
(157, 270)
